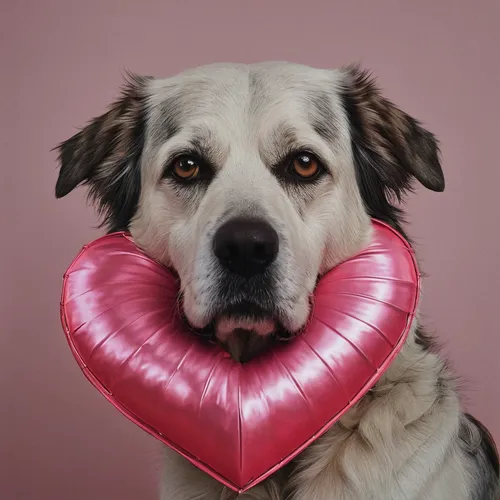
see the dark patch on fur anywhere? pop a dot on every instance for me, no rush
(390, 149)
(106, 154)
(322, 117)
(165, 119)
(425, 340)
(284, 142)
(478, 444)
(257, 87)
(169, 123)
(489, 447)
(205, 145)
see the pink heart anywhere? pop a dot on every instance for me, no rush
(239, 423)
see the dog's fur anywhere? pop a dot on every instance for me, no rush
(408, 438)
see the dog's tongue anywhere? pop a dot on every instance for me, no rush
(244, 338)
(245, 344)
(226, 326)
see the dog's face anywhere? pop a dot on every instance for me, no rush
(250, 182)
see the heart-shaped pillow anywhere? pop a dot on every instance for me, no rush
(237, 422)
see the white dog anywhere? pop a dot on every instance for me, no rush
(252, 181)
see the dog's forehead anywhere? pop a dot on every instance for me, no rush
(219, 83)
(237, 96)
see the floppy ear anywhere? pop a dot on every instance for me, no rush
(105, 155)
(390, 148)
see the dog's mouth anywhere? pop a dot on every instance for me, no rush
(245, 330)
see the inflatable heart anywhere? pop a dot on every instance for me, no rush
(237, 422)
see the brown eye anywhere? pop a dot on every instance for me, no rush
(305, 165)
(186, 168)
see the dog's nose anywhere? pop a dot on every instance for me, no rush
(246, 246)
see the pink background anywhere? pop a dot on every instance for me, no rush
(60, 65)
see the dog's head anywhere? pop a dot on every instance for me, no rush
(250, 181)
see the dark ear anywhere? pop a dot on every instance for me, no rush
(105, 155)
(390, 148)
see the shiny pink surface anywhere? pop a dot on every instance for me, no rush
(239, 423)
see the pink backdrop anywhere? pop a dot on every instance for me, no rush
(61, 64)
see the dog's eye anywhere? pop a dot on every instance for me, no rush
(186, 168)
(305, 166)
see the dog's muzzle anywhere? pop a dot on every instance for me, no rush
(245, 248)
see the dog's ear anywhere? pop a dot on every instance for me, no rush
(105, 155)
(390, 148)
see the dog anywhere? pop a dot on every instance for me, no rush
(251, 181)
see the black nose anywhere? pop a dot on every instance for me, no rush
(246, 246)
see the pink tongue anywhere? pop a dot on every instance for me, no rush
(226, 326)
